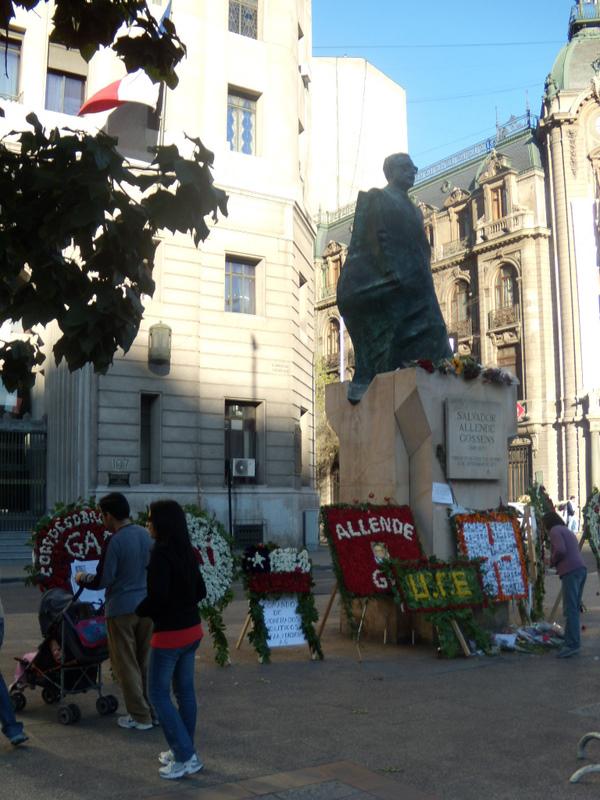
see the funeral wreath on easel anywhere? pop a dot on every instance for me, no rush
(69, 533)
(281, 605)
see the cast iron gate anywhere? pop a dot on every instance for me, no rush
(519, 468)
(22, 473)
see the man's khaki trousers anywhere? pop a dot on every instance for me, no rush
(129, 648)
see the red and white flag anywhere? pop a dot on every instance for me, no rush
(135, 87)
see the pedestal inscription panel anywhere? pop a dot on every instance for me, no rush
(475, 440)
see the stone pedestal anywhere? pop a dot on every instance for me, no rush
(389, 445)
(393, 443)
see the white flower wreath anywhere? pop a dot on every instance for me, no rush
(288, 559)
(591, 513)
(217, 560)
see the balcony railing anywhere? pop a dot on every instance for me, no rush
(327, 292)
(509, 224)
(460, 329)
(583, 13)
(514, 126)
(504, 317)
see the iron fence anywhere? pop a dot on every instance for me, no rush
(22, 474)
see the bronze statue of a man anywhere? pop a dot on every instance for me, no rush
(385, 292)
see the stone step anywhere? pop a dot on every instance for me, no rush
(13, 546)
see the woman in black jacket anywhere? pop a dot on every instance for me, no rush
(175, 587)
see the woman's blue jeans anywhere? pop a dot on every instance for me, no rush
(572, 586)
(10, 726)
(174, 667)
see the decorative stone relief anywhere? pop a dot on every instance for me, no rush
(456, 195)
(496, 163)
(596, 78)
(572, 134)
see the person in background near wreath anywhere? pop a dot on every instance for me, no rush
(12, 729)
(122, 572)
(572, 514)
(175, 587)
(566, 557)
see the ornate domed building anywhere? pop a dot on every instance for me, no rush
(569, 134)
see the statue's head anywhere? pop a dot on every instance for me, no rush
(399, 170)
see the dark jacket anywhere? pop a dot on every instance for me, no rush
(175, 587)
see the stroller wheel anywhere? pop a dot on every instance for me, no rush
(104, 706)
(50, 695)
(114, 703)
(18, 700)
(67, 715)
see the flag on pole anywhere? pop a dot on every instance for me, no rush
(135, 87)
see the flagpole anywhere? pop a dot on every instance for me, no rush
(162, 97)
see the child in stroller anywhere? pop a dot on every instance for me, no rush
(69, 658)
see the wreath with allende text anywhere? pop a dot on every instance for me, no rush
(361, 537)
(270, 572)
(69, 533)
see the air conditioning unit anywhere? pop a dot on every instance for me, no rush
(243, 467)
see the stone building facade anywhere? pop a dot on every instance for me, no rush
(513, 226)
(235, 316)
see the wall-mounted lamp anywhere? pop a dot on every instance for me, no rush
(159, 344)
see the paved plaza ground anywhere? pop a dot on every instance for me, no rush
(400, 724)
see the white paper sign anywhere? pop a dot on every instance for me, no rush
(88, 595)
(283, 622)
(442, 494)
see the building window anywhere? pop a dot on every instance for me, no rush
(506, 288)
(64, 92)
(9, 71)
(464, 222)
(240, 286)
(243, 17)
(150, 438)
(459, 311)
(333, 338)
(498, 201)
(240, 432)
(241, 123)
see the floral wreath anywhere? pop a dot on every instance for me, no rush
(269, 572)
(466, 367)
(481, 524)
(212, 547)
(591, 521)
(69, 533)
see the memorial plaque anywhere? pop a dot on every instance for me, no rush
(283, 622)
(476, 446)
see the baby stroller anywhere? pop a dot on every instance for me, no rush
(68, 660)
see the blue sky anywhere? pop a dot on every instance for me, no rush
(453, 92)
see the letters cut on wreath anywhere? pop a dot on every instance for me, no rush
(494, 537)
(361, 538)
(68, 534)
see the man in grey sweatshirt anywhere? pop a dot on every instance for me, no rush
(122, 572)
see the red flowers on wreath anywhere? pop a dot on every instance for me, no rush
(73, 533)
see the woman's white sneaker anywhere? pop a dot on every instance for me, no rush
(166, 757)
(172, 770)
(193, 765)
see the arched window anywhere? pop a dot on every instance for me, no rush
(459, 311)
(333, 337)
(506, 287)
